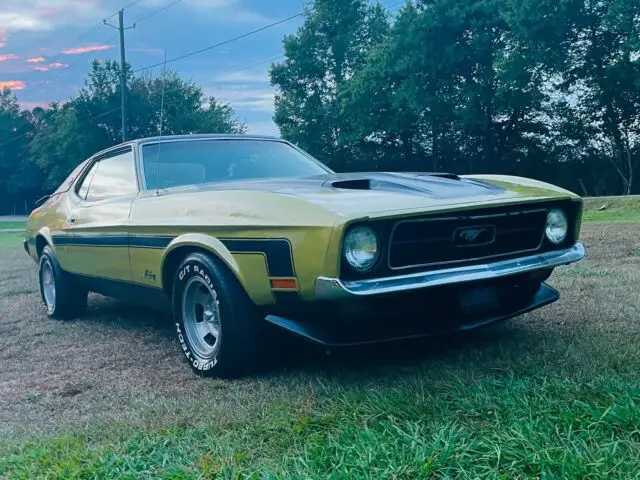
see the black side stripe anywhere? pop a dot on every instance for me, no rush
(277, 250)
(92, 240)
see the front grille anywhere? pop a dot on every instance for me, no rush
(466, 237)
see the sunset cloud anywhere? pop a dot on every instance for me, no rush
(4, 35)
(44, 68)
(8, 56)
(81, 50)
(13, 85)
(48, 15)
(36, 60)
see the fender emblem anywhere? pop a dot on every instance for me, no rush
(150, 275)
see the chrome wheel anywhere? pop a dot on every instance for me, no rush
(201, 318)
(48, 285)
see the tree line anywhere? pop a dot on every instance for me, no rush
(548, 89)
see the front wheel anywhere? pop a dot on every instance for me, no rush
(217, 325)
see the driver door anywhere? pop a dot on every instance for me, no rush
(97, 233)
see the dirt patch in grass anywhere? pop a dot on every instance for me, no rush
(112, 389)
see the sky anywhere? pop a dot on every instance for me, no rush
(42, 58)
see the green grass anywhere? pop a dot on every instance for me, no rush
(11, 239)
(11, 225)
(551, 395)
(618, 210)
(491, 427)
(8, 239)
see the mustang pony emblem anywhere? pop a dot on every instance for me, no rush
(473, 236)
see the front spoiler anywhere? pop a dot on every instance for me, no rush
(335, 288)
(362, 331)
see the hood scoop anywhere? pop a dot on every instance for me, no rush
(407, 183)
(374, 183)
(436, 185)
(450, 176)
(353, 184)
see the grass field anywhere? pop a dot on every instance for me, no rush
(614, 209)
(11, 225)
(552, 394)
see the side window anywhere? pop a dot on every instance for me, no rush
(115, 176)
(84, 186)
(64, 186)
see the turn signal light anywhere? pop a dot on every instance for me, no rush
(284, 283)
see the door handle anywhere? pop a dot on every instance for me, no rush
(72, 220)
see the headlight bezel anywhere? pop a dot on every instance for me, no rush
(347, 255)
(561, 221)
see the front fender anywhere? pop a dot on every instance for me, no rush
(249, 269)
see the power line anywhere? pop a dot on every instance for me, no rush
(82, 37)
(277, 56)
(242, 67)
(155, 12)
(129, 5)
(272, 57)
(220, 44)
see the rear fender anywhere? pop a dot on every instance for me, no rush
(44, 233)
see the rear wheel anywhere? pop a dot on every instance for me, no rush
(61, 295)
(218, 327)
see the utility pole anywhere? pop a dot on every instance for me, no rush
(123, 83)
(123, 77)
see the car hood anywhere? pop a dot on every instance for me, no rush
(375, 194)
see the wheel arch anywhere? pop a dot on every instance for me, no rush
(43, 239)
(194, 242)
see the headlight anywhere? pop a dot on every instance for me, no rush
(361, 248)
(557, 226)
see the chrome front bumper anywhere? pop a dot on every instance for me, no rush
(335, 289)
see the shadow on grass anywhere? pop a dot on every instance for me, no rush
(525, 346)
(125, 315)
(292, 354)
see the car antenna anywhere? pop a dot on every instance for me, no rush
(164, 81)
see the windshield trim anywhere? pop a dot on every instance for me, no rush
(142, 145)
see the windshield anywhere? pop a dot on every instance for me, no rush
(173, 164)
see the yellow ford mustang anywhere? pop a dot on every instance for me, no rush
(236, 233)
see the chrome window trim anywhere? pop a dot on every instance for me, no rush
(106, 155)
(327, 288)
(465, 217)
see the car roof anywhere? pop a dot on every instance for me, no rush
(201, 136)
(211, 136)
